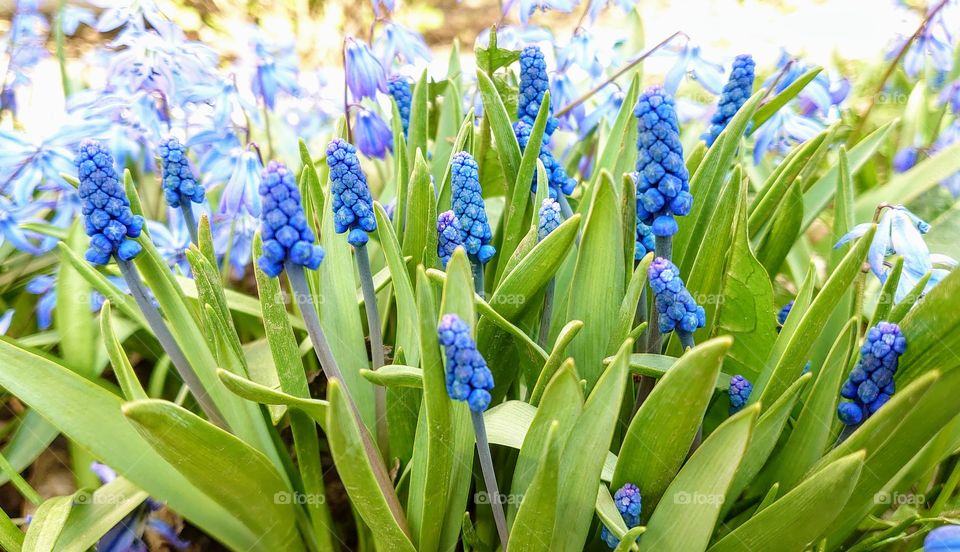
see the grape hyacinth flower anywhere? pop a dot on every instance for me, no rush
(783, 313)
(629, 503)
(646, 241)
(559, 182)
(550, 218)
(364, 73)
(108, 219)
(870, 384)
(739, 392)
(287, 239)
(663, 188)
(180, 185)
(534, 83)
(110, 224)
(676, 308)
(399, 88)
(469, 380)
(353, 211)
(469, 208)
(352, 204)
(735, 94)
(449, 236)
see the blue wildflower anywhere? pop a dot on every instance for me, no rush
(44, 286)
(468, 378)
(528, 7)
(564, 92)
(691, 62)
(468, 206)
(352, 205)
(449, 236)
(179, 182)
(107, 216)
(25, 47)
(663, 187)
(534, 83)
(72, 16)
(387, 5)
(373, 136)
(905, 159)
(11, 217)
(364, 73)
(870, 384)
(629, 503)
(5, 320)
(128, 13)
(782, 131)
(784, 313)
(739, 392)
(556, 175)
(399, 42)
(286, 235)
(241, 194)
(274, 57)
(399, 88)
(172, 240)
(550, 218)
(678, 310)
(900, 232)
(943, 539)
(934, 45)
(735, 94)
(233, 238)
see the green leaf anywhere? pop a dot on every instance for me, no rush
(253, 391)
(685, 520)
(494, 57)
(448, 128)
(94, 514)
(556, 358)
(811, 433)
(784, 177)
(364, 478)
(657, 366)
(90, 415)
(597, 288)
(747, 310)
(931, 329)
(508, 150)
(659, 437)
(419, 119)
(420, 229)
(533, 527)
(781, 370)
(11, 537)
(584, 453)
(784, 229)
(802, 515)
(407, 334)
(126, 377)
(395, 375)
(47, 523)
(818, 196)
(72, 318)
(235, 475)
(98, 281)
(908, 186)
(768, 109)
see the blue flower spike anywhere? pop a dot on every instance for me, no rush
(784, 313)
(739, 392)
(470, 380)
(449, 236)
(468, 207)
(627, 499)
(352, 204)
(676, 307)
(286, 236)
(534, 83)
(735, 93)
(870, 384)
(663, 187)
(557, 177)
(180, 184)
(943, 539)
(108, 219)
(399, 88)
(550, 218)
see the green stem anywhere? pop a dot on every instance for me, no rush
(376, 344)
(168, 343)
(489, 476)
(304, 300)
(686, 340)
(664, 249)
(847, 432)
(477, 267)
(187, 209)
(547, 315)
(266, 129)
(946, 491)
(61, 54)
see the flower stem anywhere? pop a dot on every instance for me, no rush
(266, 129)
(664, 249)
(847, 432)
(547, 313)
(376, 344)
(168, 343)
(477, 267)
(190, 221)
(304, 299)
(686, 340)
(489, 476)
(61, 54)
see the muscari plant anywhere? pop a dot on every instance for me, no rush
(467, 366)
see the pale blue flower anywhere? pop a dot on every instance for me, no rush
(11, 217)
(933, 48)
(563, 92)
(374, 138)
(386, 5)
(597, 6)
(234, 235)
(122, 13)
(218, 151)
(172, 239)
(45, 287)
(27, 161)
(277, 66)
(582, 52)
(241, 195)
(785, 129)
(691, 62)
(528, 7)
(5, 320)
(900, 232)
(72, 16)
(364, 73)
(949, 136)
(397, 42)
(23, 46)
(611, 99)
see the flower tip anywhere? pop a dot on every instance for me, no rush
(357, 237)
(850, 414)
